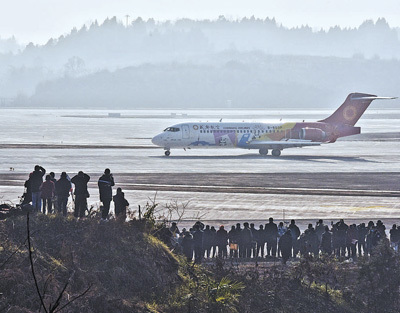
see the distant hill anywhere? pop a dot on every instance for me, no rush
(188, 63)
(247, 80)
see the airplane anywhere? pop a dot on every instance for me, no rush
(267, 136)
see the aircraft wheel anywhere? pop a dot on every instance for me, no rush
(167, 153)
(263, 151)
(276, 152)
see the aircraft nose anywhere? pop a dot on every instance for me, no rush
(157, 140)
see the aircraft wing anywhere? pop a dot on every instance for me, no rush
(289, 143)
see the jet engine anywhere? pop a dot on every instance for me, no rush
(313, 134)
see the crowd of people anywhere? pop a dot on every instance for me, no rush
(204, 241)
(285, 241)
(51, 195)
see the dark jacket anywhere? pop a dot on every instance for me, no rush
(285, 243)
(326, 242)
(105, 183)
(47, 189)
(294, 231)
(222, 237)
(271, 230)
(36, 179)
(246, 236)
(120, 203)
(198, 238)
(80, 183)
(63, 186)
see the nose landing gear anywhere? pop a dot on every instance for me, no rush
(167, 152)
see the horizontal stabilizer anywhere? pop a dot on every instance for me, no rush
(373, 98)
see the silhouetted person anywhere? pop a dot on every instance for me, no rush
(312, 241)
(376, 236)
(198, 244)
(47, 193)
(281, 231)
(351, 241)
(105, 183)
(187, 246)
(238, 231)
(295, 232)
(394, 237)
(319, 229)
(246, 239)
(120, 204)
(174, 229)
(207, 241)
(81, 193)
(36, 180)
(260, 239)
(381, 228)
(222, 241)
(368, 238)
(341, 228)
(271, 230)
(213, 241)
(27, 196)
(285, 245)
(54, 200)
(63, 188)
(302, 242)
(326, 241)
(362, 232)
(233, 246)
(254, 241)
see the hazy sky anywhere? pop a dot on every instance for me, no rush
(38, 20)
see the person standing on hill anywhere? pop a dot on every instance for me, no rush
(187, 246)
(285, 245)
(54, 200)
(47, 193)
(105, 183)
(260, 239)
(35, 181)
(198, 244)
(207, 241)
(120, 205)
(233, 245)
(81, 193)
(295, 232)
(222, 242)
(63, 188)
(326, 241)
(246, 239)
(271, 230)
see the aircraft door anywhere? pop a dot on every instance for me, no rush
(185, 132)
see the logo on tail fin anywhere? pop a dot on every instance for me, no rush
(350, 113)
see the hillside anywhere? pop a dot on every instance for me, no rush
(124, 267)
(114, 267)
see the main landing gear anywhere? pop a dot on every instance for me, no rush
(275, 152)
(167, 152)
(263, 151)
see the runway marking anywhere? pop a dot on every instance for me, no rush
(372, 207)
(264, 190)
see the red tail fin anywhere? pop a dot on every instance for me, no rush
(351, 110)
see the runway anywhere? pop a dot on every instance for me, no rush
(353, 178)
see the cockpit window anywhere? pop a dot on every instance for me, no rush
(172, 129)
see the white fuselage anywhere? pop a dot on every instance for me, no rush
(213, 135)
